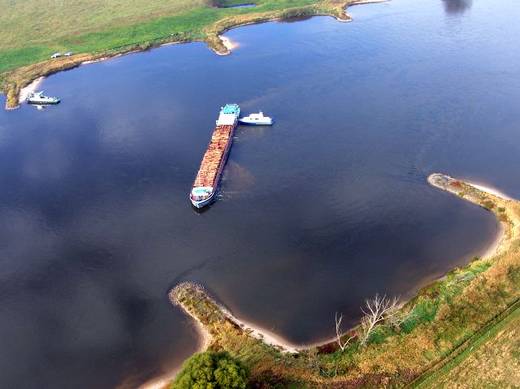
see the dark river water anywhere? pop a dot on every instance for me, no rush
(322, 210)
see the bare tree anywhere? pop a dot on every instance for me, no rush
(376, 310)
(341, 343)
(395, 317)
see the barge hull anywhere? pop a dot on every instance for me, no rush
(211, 168)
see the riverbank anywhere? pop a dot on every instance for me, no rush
(430, 327)
(487, 359)
(502, 241)
(211, 316)
(217, 21)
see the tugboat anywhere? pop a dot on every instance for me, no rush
(40, 99)
(256, 119)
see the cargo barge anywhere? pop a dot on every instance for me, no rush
(207, 180)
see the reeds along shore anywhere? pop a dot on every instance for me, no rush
(436, 323)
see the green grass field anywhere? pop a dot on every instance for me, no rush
(491, 360)
(30, 30)
(39, 22)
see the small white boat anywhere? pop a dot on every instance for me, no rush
(257, 119)
(40, 98)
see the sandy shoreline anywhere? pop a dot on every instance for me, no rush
(489, 189)
(165, 379)
(205, 338)
(32, 87)
(502, 240)
(497, 246)
(361, 2)
(263, 334)
(271, 338)
(226, 42)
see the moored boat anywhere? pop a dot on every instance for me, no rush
(256, 119)
(40, 98)
(208, 177)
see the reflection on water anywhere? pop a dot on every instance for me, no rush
(316, 213)
(222, 4)
(245, 5)
(457, 6)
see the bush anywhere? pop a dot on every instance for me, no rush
(379, 335)
(424, 311)
(211, 370)
(488, 204)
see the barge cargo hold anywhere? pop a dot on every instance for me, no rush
(207, 180)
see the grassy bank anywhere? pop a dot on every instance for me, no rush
(429, 332)
(491, 358)
(31, 31)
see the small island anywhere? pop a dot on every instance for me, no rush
(414, 343)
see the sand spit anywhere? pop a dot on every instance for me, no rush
(212, 319)
(228, 43)
(164, 380)
(481, 195)
(31, 88)
(361, 2)
(205, 337)
(187, 291)
(263, 334)
(347, 18)
(489, 189)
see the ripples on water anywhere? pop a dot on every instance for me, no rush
(327, 207)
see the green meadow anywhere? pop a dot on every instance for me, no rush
(30, 30)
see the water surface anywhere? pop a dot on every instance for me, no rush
(244, 5)
(322, 210)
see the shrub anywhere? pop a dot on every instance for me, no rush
(488, 204)
(424, 311)
(211, 370)
(379, 335)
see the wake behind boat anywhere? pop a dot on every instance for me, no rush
(40, 99)
(256, 119)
